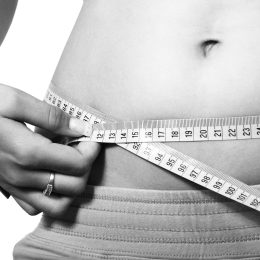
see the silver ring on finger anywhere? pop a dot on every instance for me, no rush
(50, 186)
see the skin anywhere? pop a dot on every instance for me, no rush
(27, 158)
(166, 59)
(157, 59)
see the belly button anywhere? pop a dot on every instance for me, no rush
(208, 45)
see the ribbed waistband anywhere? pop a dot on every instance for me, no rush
(163, 224)
(161, 202)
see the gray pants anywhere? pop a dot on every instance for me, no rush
(120, 223)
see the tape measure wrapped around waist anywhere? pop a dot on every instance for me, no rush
(144, 138)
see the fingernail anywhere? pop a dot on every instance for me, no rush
(80, 126)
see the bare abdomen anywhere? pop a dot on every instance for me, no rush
(138, 61)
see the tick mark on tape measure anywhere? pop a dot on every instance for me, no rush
(221, 184)
(208, 45)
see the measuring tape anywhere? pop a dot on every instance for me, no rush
(144, 138)
(178, 130)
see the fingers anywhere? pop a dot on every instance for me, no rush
(33, 151)
(28, 158)
(23, 107)
(55, 205)
(70, 186)
(26, 187)
(66, 159)
(26, 207)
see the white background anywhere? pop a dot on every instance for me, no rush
(28, 57)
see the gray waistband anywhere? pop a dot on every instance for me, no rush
(163, 224)
(99, 203)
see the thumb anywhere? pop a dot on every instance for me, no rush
(26, 108)
(58, 122)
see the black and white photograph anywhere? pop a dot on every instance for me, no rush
(129, 129)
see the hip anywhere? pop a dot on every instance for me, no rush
(123, 223)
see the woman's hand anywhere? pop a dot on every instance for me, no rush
(27, 158)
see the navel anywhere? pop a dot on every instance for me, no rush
(208, 45)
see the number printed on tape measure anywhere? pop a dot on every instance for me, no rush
(144, 138)
(180, 133)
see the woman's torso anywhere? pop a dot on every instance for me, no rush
(159, 59)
